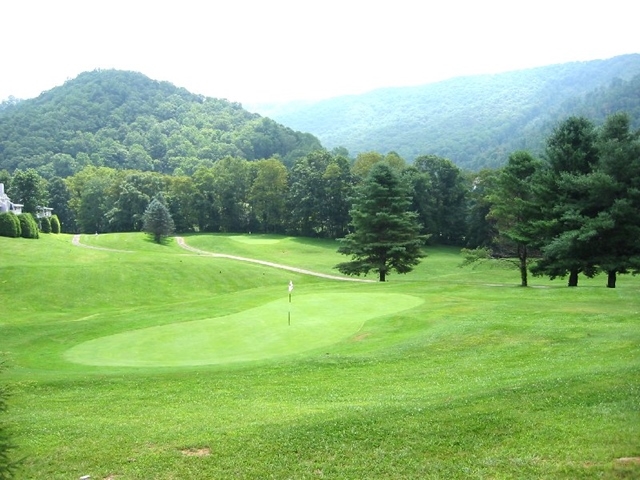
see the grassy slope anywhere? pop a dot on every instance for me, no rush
(484, 379)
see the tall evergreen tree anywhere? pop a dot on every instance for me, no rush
(618, 223)
(515, 207)
(572, 153)
(386, 235)
(157, 220)
(592, 189)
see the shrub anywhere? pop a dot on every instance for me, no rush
(9, 225)
(45, 225)
(28, 225)
(55, 224)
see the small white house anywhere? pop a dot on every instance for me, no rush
(6, 205)
(43, 212)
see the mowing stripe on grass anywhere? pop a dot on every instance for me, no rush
(317, 320)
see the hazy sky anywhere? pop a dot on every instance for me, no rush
(272, 50)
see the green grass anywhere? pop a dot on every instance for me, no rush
(297, 252)
(159, 363)
(319, 320)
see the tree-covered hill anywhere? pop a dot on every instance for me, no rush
(125, 120)
(475, 121)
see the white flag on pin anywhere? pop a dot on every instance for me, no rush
(290, 286)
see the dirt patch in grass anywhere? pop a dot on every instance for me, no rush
(196, 452)
(362, 336)
(628, 460)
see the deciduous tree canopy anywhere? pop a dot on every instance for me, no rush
(125, 120)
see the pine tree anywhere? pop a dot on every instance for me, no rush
(617, 250)
(515, 208)
(572, 155)
(157, 220)
(386, 235)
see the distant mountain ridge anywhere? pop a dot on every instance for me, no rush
(125, 120)
(475, 121)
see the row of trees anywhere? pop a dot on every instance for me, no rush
(577, 212)
(312, 198)
(574, 212)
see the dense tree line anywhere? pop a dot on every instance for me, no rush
(574, 211)
(311, 198)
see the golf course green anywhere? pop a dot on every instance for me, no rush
(275, 329)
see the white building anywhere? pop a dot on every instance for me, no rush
(43, 212)
(6, 205)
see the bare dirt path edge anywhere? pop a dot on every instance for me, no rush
(183, 244)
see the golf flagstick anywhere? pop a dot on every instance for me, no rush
(290, 290)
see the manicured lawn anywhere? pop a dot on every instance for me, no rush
(319, 320)
(160, 363)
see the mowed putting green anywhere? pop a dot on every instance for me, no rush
(316, 320)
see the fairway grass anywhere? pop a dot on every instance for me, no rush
(152, 362)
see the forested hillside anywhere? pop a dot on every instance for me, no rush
(475, 121)
(125, 120)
